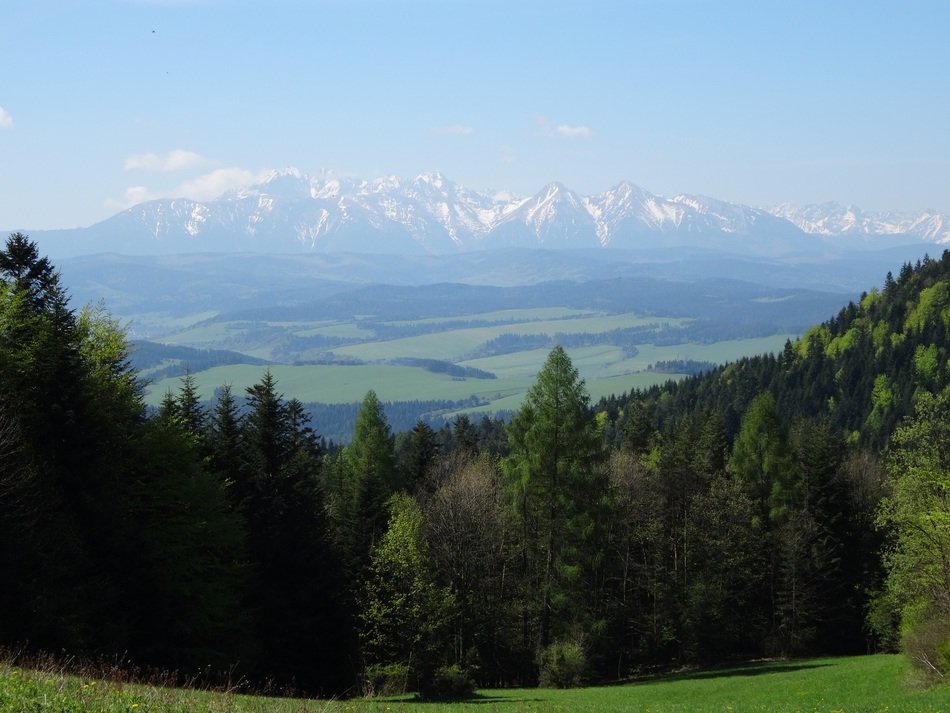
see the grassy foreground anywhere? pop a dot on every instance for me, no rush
(879, 684)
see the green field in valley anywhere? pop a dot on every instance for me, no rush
(866, 684)
(332, 344)
(605, 369)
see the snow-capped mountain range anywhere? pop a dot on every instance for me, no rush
(834, 219)
(291, 212)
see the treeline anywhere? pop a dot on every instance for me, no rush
(162, 361)
(126, 534)
(511, 343)
(387, 312)
(785, 309)
(682, 366)
(863, 370)
(437, 366)
(659, 334)
(705, 521)
(338, 421)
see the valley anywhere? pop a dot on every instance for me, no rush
(465, 334)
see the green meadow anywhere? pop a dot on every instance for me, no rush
(864, 684)
(363, 354)
(454, 344)
(605, 369)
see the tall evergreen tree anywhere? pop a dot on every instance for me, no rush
(302, 631)
(111, 535)
(224, 439)
(52, 486)
(369, 478)
(720, 616)
(418, 453)
(554, 487)
(190, 409)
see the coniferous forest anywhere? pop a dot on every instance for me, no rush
(782, 505)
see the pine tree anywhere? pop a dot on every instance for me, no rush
(418, 454)
(369, 478)
(190, 410)
(112, 537)
(553, 484)
(224, 440)
(296, 595)
(51, 481)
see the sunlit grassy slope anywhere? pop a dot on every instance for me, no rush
(868, 684)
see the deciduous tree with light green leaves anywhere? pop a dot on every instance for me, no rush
(404, 613)
(917, 514)
(761, 459)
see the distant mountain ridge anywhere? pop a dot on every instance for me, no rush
(292, 212)
(835, 219)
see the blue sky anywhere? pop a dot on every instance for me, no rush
(107, 102)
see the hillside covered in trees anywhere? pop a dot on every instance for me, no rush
(778, 506)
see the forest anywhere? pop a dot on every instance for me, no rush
(782, 505)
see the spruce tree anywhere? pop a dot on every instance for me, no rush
(296, 597)
(369, 478)
(554, 488)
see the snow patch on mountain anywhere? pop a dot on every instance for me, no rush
(432, 214)
(836, 220)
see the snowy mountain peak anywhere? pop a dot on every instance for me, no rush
(626, 191)
(431, 214)
(288, 183)
(837, 220)
(702, 204)
(384, 184)
(278, 173)
(436, 179)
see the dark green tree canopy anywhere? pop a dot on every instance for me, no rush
(554, 446)
(29, 274)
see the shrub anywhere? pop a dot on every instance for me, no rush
(448, 683)
(390, 679)
(562, 664)
(927, 644)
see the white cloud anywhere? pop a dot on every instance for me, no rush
(565, 131)
(133, 195)
(572, 132)
(175, 160)
(454, 129)
(203, 188)
(6, 121)
(211, 185)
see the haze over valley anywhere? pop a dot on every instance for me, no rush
(409, 287)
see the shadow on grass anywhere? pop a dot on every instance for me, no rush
(475, 699)
(751, 669)
(757, 668)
